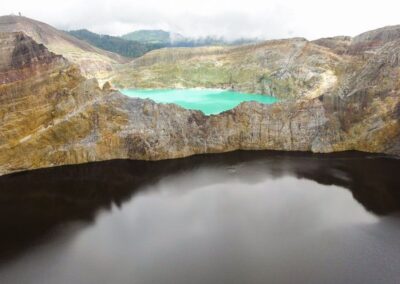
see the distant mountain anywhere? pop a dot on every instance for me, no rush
(128, 48)
(169, 39)
(150, 36)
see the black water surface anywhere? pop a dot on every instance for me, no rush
(242, 217)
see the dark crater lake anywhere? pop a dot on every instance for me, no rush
(241, 217)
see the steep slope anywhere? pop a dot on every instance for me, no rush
(372, 40)
(21, 61)
(367, 102)
(293, 68)
(53, 116)
(92, 61)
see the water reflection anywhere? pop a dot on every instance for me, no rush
(243, 217)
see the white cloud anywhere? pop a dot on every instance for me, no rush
(229, 18)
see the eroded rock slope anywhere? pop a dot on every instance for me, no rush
(93, 62)
(51, 115)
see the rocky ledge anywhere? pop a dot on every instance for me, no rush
(51, 115)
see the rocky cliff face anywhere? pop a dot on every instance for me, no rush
(21, 57)
(51, 115)
(93, 62)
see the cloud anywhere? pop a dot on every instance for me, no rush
(232, 19)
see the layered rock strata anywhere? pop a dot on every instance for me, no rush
(51, 115)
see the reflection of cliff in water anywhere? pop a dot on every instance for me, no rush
(33, 203)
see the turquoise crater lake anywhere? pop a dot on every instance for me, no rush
(209, 101)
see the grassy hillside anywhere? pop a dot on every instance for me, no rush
(118, 45)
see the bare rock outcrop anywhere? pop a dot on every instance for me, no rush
(54, 116)
(21, 57)
(93, 62)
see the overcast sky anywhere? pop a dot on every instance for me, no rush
(232, 19)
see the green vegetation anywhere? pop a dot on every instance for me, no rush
(137, 43)
(167, 39)
(149, 36)
(115, 44)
